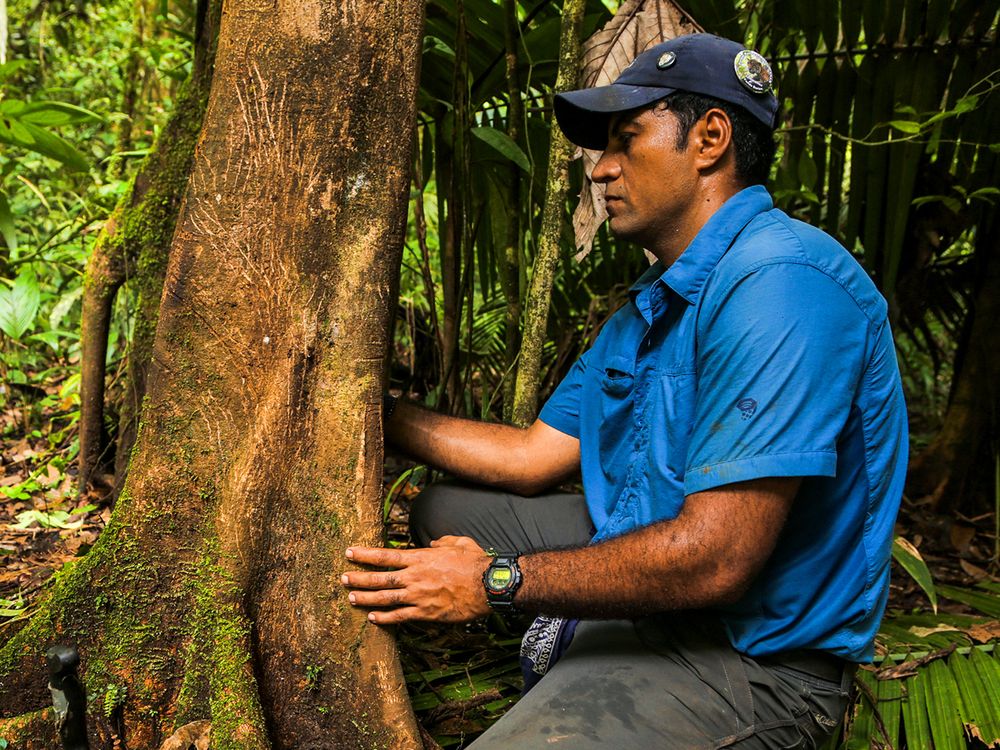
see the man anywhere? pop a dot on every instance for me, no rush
(742, 438)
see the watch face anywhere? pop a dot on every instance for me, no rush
(499, 577)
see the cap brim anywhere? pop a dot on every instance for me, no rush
(584, 115)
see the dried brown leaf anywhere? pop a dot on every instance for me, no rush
(984, 632)
(975, 572)
(961, 537)
(638, 25)
(193, 735)
(909, 668)
(973, 733)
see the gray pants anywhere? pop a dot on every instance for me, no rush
(665, 681)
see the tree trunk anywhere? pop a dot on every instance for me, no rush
(449, 234)
(214, 593)
(510, 272)
(133, 246)
(536, 309)
(946, 470)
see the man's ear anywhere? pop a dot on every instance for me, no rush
(711, 137)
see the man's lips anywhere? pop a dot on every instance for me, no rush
(611, 203)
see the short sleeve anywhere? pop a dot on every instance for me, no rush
(562, 410)
(780, 356)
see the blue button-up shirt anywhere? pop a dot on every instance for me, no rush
(762, 351)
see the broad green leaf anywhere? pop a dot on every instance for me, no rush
(905, 126)
(12, 603)
(916, 723)
(6, 70)
(944, 707)
(504, 145)
(7, 230)
(980, 599)
(57, 519)
(30, 136)
(55, 339)
(890, 696)
(808, 172)
(910, 560)
(433, 43)
(63, 306)
(56, 113)
(19, 305)
(11, 107)
(985, 194)
(982, 710)
(18, 132)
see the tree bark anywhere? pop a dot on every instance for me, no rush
(133, 246)
(946, 470)
(510, 273)
(536, 309)
(214, 593)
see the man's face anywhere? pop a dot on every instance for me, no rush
(649, 184)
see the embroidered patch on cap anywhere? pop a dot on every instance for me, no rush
(666, 60)
(753, 71)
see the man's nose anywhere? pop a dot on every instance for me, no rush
(606, 170)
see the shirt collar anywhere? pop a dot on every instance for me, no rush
(688, 273)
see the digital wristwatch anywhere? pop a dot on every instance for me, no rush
(501, 581)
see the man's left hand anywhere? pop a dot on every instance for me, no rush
(442, 583)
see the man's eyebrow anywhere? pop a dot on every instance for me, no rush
(621, 122)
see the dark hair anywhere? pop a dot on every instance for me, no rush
(753, 141)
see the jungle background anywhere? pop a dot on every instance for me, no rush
(887, 140)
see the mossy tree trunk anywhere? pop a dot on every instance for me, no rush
(133, 246)
(214, 592)
(536, 308)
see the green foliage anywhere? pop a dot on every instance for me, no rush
(912, 562)
(19, 305)
(113, 699)
(25, 125)
(56, 519)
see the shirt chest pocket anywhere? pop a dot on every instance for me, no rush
(609, 397)
(618, 377)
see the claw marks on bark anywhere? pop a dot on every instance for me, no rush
(263, 464)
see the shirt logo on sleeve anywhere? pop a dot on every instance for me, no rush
(747, 407)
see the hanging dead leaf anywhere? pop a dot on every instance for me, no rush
(637, 26)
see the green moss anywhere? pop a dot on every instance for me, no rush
(217, 655)
(79, 607)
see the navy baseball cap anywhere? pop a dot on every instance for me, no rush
(698, 63)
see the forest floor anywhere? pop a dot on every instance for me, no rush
(460, 678)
